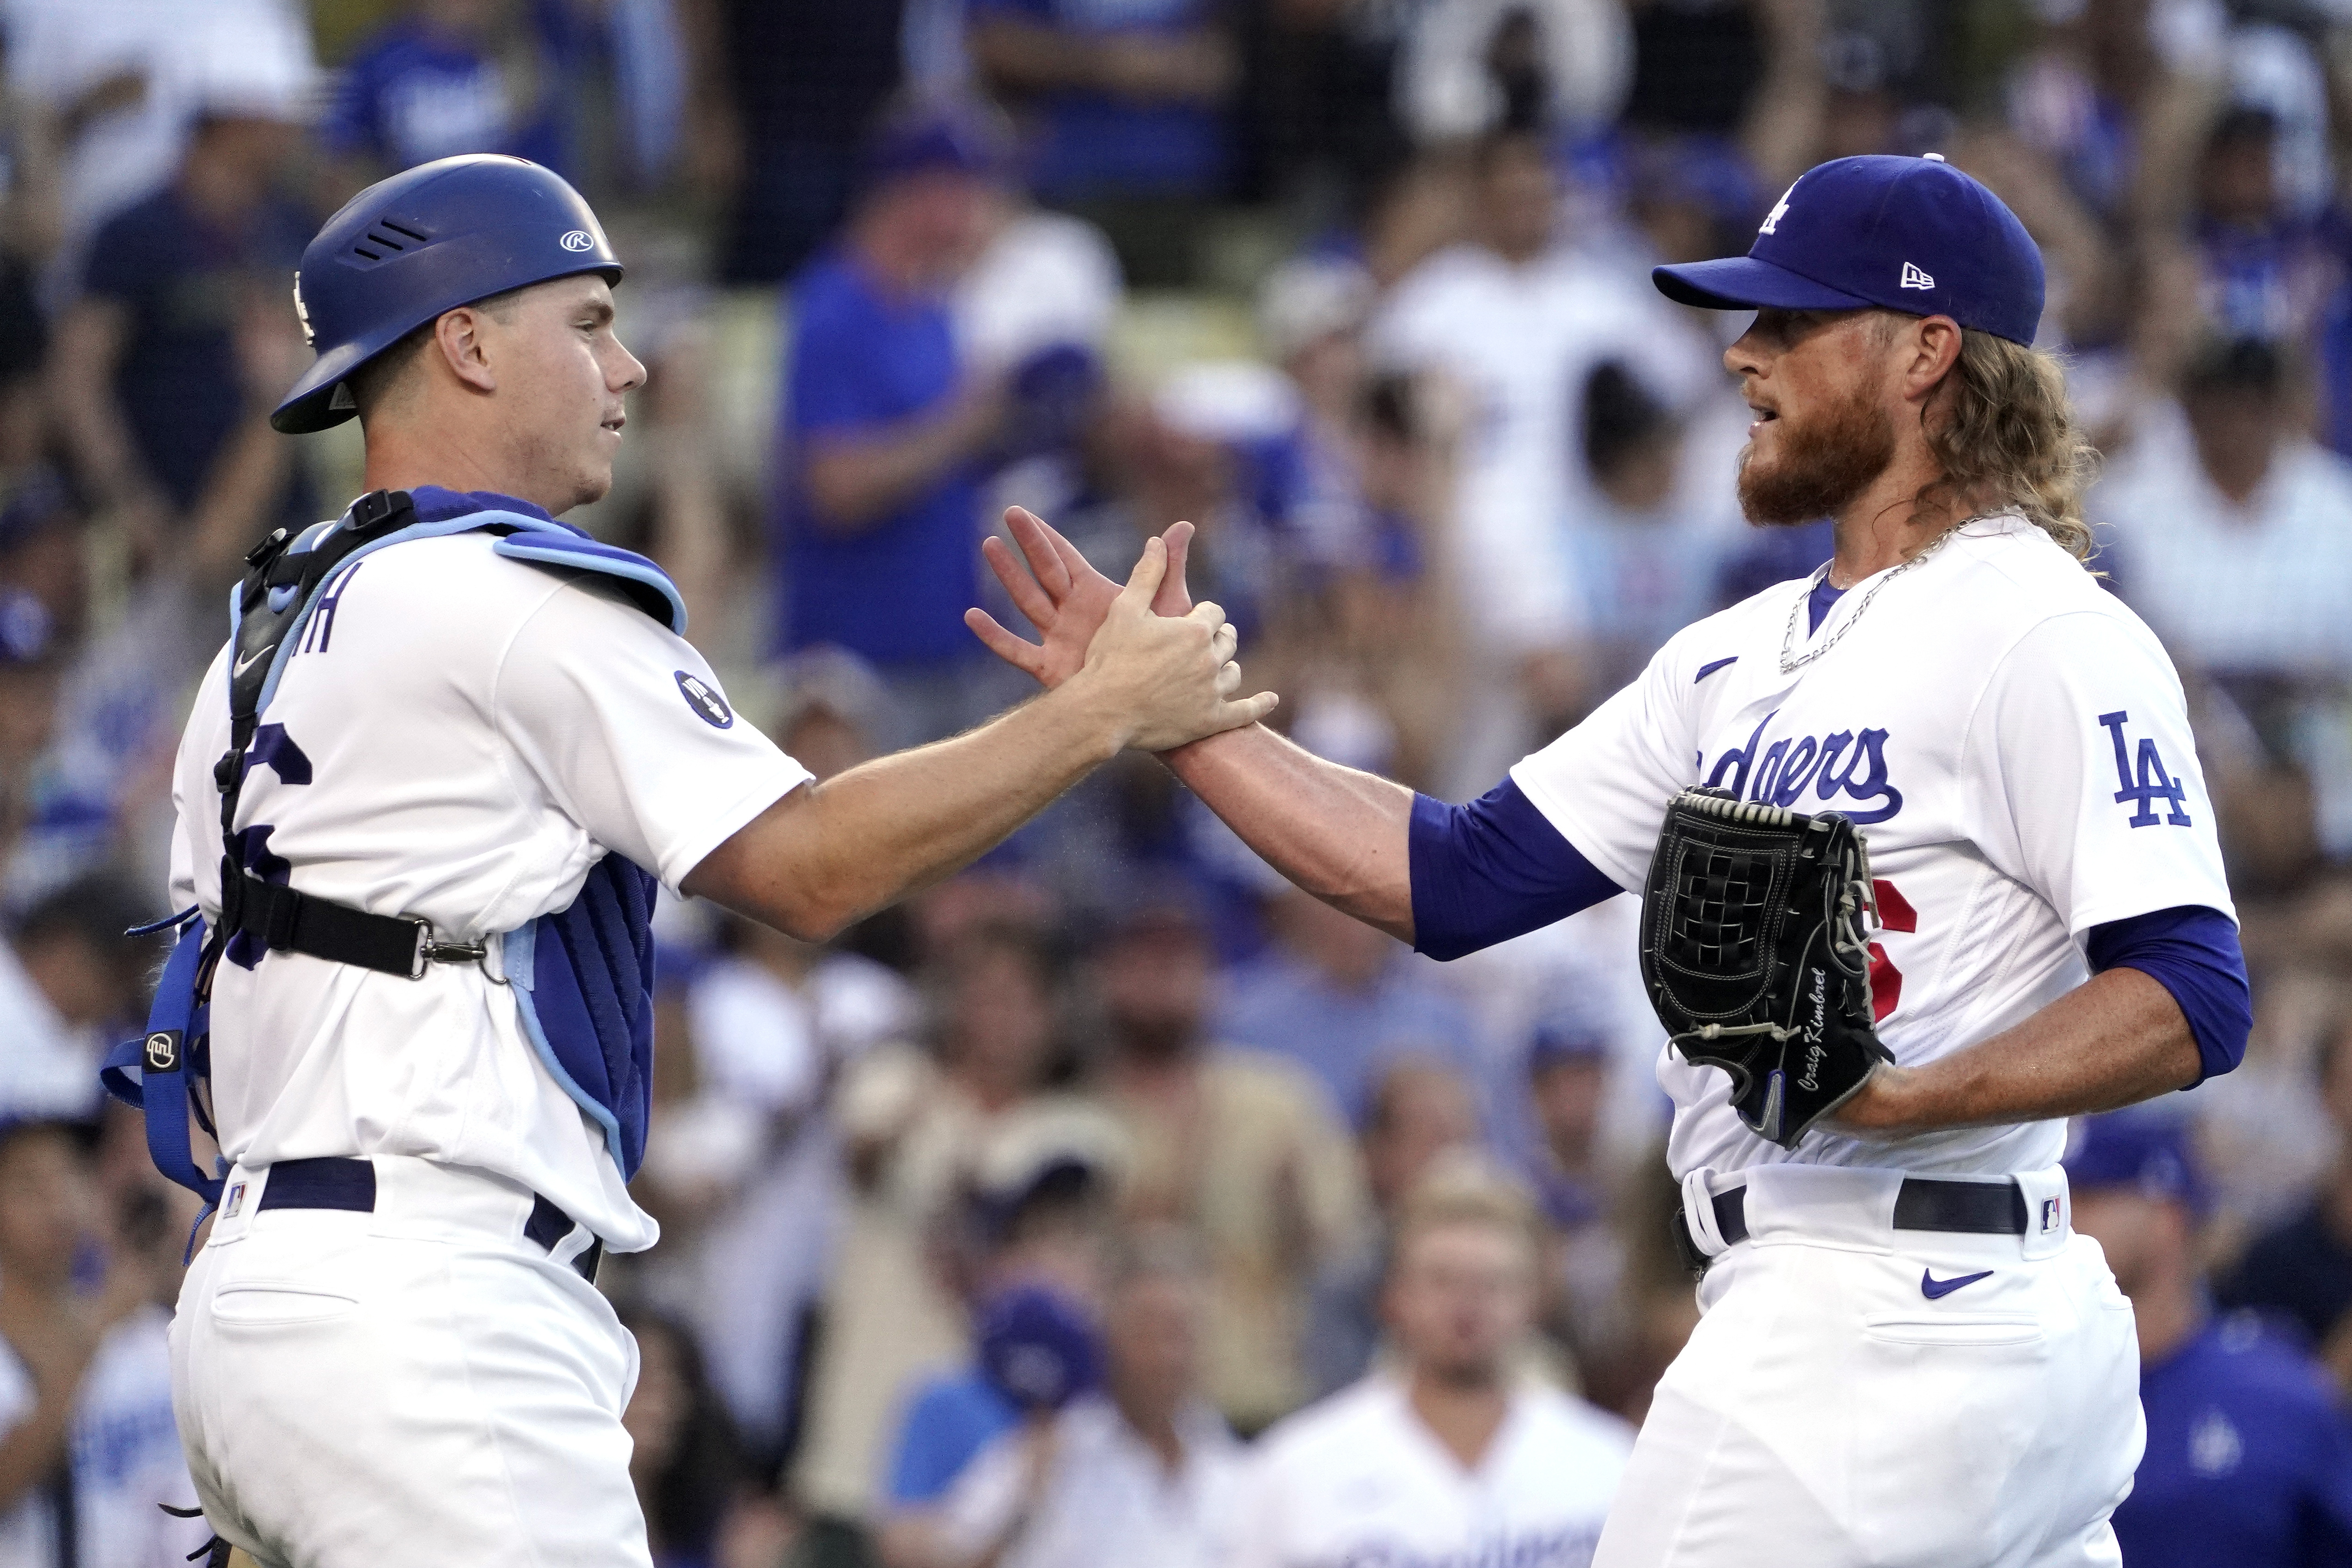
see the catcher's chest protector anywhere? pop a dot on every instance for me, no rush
(582, 977)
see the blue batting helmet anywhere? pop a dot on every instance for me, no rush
(429, 239)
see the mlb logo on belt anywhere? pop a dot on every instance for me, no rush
(233, 1202)
(2051, 1215)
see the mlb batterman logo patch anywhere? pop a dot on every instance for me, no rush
(705, 700)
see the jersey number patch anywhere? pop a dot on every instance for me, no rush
(2144, 781)
(1894, 914)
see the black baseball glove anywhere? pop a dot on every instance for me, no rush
(1755, 951)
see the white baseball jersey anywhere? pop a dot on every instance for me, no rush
(1357, 1478)
(2013, 742)
(461, 737)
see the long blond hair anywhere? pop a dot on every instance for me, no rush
(2007, 440)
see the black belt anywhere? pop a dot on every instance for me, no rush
(285, 920)
(1973, 1208)
(331, 1183)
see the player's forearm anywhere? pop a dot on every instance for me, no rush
(1339, 833)
(2114, 1041)
(829, 854)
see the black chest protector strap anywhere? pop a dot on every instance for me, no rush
(279, 584)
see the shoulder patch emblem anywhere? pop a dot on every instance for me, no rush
(706, 700)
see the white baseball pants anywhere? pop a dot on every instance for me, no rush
(1844, 1403)
(417, 1384)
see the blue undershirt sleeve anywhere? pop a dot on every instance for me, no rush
(2192, 951)
(1491, 870)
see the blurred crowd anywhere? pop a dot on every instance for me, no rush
(1113, 1201)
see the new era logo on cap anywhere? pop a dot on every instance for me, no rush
(1915, 278)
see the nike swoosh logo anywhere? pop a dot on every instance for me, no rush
(246, 663)
(1936, 1289)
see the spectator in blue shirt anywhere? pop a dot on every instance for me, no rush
(446, 77)
(2248, 1460)
(167, 364)
(1129, 99)
(1038, 1288)
(1345, 1002)
(887, 434)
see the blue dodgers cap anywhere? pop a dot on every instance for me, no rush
(942, 136)
(1912, 235)
(426, 240)
(1038, 1345)
(2147, 1152)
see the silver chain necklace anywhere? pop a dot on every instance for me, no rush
(1792, 661)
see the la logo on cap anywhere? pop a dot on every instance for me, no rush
(1915, 278)
(1771, 223)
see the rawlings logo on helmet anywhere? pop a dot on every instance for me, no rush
(578, 239)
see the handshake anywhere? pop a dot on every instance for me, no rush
(1157, 668)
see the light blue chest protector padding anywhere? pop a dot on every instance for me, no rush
(583, 976)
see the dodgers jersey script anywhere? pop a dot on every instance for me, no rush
(2013, 743)
(552, 723)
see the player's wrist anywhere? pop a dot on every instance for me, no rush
(1103, 725)
(1886, 1103)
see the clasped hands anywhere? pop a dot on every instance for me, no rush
(1166, 663)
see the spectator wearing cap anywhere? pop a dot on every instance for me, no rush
(1032, 1238)
(2300, 1272)
(1343, 1000)
(2248, 1460)
(180, 339)
(1140, 1472)
(2231, 543)
(1239, 1147)
(1420, 1111)
(1126, 110)
(887, 431)
(914, 1123)
(445, 77)
(1452, 1454)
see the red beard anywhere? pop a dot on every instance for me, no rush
(1825, 462)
